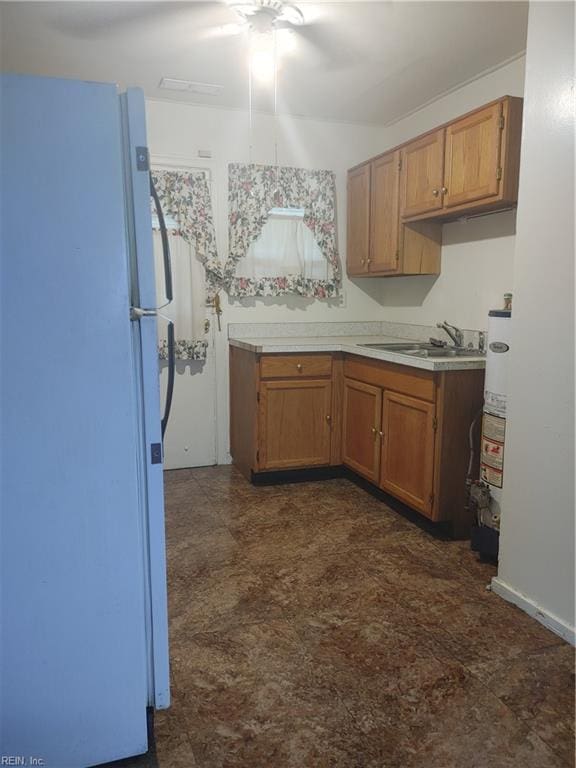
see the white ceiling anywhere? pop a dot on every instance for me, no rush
(381, 60)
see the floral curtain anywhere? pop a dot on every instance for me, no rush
(253, 190)
(185, 196)
(185, 200)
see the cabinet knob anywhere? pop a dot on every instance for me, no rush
(328, 419)
(444, 190)
(299, 366)
(435, 192)
(374, 431)
(381, 434)
(368, 261)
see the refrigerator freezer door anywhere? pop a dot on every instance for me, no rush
(73, 648)
(145, 343)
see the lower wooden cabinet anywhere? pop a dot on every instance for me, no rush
(285, 411)
(407, 466)
(294, 424)
(403, 429)
(361, 428)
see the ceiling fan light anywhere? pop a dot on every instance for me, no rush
(262, 65)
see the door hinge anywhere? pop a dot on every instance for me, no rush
(142, 159)
(257, 457)
(257, 397)
(498, 173)
(400, 163)
(434, 424)
(431, 499)
(501, 122)
(397, 255)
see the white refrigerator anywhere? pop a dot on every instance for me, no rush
(83, 619)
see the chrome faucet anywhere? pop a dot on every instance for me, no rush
(455, 333)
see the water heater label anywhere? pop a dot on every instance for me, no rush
(492, 453)
(492, 476)
(494, 428)
(495, 402)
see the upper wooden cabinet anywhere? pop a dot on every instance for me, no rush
(378, 242)
(472, 169)
(470, 165)
(358, 251)
(384, 220)
(422, 174)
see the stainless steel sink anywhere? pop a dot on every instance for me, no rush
(424, 349)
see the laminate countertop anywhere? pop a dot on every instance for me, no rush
(354, 345)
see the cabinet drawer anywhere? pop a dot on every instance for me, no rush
(292, 366)
(399, 378)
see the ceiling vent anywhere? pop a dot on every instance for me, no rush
(205, 89)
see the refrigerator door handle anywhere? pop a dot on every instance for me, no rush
(165, 244)
(171, 372)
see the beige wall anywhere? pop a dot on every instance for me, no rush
(477, 254)
(537, 540)
(476, 257)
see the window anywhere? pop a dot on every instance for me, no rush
(282, 232)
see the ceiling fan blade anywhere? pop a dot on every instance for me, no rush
(92, 20)
(326, 41)
(219, 32)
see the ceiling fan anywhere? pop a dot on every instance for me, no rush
(208, 20)
(269, 15)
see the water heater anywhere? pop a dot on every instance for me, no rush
(495, 411)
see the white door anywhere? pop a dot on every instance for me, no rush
(190, 439)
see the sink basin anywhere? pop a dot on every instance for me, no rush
(398, 346)
(424, 349)
(444, 352)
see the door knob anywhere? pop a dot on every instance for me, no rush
(435, 192)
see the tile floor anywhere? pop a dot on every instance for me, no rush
(314, 627)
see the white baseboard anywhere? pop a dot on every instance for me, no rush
(551, 622)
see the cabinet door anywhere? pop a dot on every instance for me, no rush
(294, 424)
(384, 217)
(358, 236)
(422, 174)
(408, 450)
(361, 428)
(472, 168)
